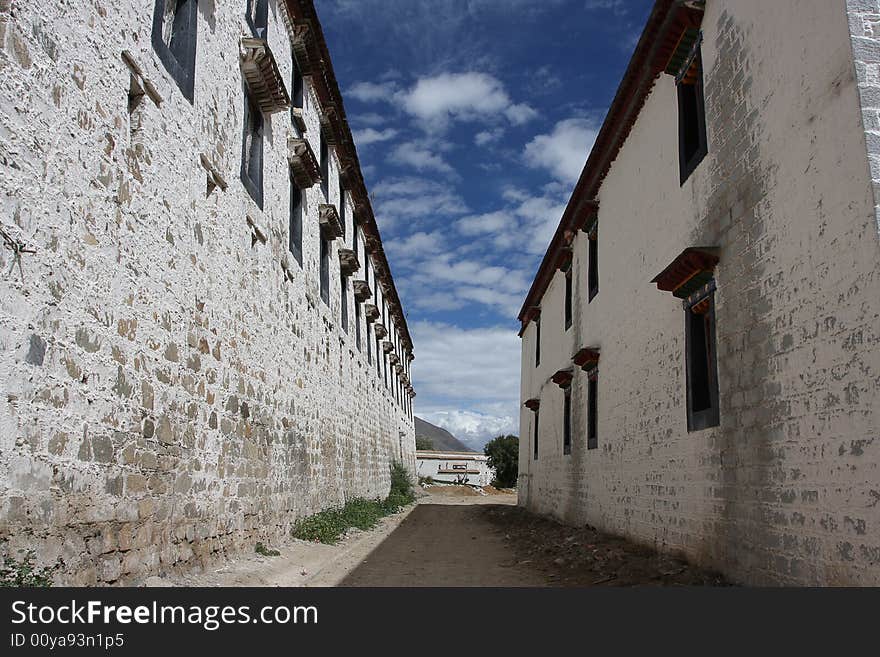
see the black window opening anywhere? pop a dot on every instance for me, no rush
(296, 222)
(357, 325)
(342, 208)
(325, 271)
(343, 307)
(252, 151)
(593, 267)
(701, 364)
(692, 142)
(378, 357)
(257, 16)
(592, 410)
(568, 284)
(174, 37)
(535, 441)
(566, 421)
(537, 342)
(369, 342)
(325, 169)
(297, 85)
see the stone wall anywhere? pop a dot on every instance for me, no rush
(864, 25)
(785, 490)
(169, 395)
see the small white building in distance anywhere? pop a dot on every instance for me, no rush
(471, 468)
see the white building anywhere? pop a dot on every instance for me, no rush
(203, 342)
(471, 468)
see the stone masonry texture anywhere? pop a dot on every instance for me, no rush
(170, 396)
(786, 490)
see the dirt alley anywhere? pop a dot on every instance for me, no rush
(452, 539)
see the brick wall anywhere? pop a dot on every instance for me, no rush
(169, 396)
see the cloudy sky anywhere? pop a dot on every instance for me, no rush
(473, 119)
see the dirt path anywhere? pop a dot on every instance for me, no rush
(451, 543)
(457, 537)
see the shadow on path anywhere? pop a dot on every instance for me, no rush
(444, 545)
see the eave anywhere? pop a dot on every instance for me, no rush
(263, 78)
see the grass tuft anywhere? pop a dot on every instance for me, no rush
(330, 525)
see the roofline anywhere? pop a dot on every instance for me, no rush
(327, 89)
(645, 66)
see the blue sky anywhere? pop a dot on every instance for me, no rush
(472, 120)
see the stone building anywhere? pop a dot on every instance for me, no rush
(201, 338)
(701, 344)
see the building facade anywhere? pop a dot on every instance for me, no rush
(701, 344)
(201, 338)
(470, 468)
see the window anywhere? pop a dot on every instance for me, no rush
(592, 409)
(343, 289)
(296, 226)
(568, 297)
(537, 417)
(378, 357)
(537, 342)
(325, 271)
(257, 16)
(566, 421)
(701, 364)
(325, 169)
(252, 152)
(174, 37)
(593, 271)
(297, 86)
(692, 143)
(369, 342)
(357, 327)
(342, 208)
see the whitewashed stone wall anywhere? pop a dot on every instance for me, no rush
(864, 25)
(168, 397)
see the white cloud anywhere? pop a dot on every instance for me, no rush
(473, 429)
(473, 96)
(564, 151)
(370, 92)
(488, 136)
(371, 136)
(411, 197)
(483, 223)
(369, 119)
(419, 157)
(462, 374)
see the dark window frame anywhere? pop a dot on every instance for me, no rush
(566, 421)
(342, 218)
(295, 225)
(254, 126)
(537, 342)
(691, 122)
(701, 363)
(593, 264)
(179, 56)
(592, 409)
(324, 266)
(568, 297)
(536, 434)
(343, 305)
(357, 323)
(325, 167)
(260, 19)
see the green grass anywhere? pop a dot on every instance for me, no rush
(329, 526)
(22, 572)
(266, 552)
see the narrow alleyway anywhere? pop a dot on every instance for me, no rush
(456, 537)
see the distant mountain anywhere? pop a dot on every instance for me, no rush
(442, 439)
